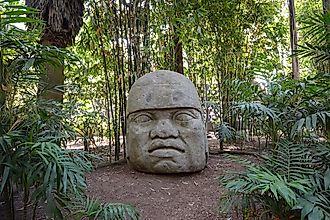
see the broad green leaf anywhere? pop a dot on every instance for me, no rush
(11, 13)
(307, 208)
(314, 120)
(65, 179)
(13, 20)
(47, 175)
(316, 214)
(5, 176)
(300, 123)
(28, 64)
(327, 179)
(309, 123)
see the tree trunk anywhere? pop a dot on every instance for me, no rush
(53, 77)
(326, 6)
(51, 81)
(294, 41)
(2, 85)
(6, 198)
(63, 19)
(178, 54)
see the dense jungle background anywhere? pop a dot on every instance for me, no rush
(261, 67)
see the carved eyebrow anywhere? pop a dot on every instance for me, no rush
(191, 111)
(139, 113)
(172, 111)
(134, 115)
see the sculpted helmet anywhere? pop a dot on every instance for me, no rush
(162, 89)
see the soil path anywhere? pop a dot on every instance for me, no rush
(192, 196)
(163, 197)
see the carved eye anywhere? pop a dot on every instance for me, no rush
(142, 118)
(184, 116)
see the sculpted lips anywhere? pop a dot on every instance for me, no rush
(166, 145)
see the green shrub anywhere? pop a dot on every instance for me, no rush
(33, 131)
(287, 183)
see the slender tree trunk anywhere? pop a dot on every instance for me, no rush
(122, 94)
(294, 41)
(326, 6)
(136, 28)
(146, 37)
(326, 9)
(326, 65)
(129, 47)
(178, 54)
(8, 198)
(2, 86)
(110, 112)
(34, 211)
(26, 195)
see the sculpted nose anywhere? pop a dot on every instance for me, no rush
(164, 129)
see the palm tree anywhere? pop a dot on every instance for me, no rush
(63, 20)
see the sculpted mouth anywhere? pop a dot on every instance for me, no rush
(169, 145)
(166, 148)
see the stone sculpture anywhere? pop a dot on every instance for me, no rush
(165, 128)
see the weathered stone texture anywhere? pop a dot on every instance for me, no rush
(166, 132)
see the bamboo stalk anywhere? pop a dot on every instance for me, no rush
(106, 74)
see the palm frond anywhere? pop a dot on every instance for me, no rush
(293, 161)
(316, 52)
(11, 14)
(316, 203)
(310, 122)
(95, 209)
(224, 132)
(278, 183)
(317, 33)
(255, 109)
(315, 27)
(258, 180)
(237, 202)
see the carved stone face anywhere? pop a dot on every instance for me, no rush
(166, 133)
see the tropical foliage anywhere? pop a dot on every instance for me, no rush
(236, 52)
(213, 43)
(293, 180)
(33, 131)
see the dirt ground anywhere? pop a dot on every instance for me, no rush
(163, 197)
(166, 197)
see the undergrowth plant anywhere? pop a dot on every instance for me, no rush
(34, 163)
(33, 132)
(288, 184)
(293, 180)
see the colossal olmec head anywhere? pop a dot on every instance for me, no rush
(166, 133)
(162, 89)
